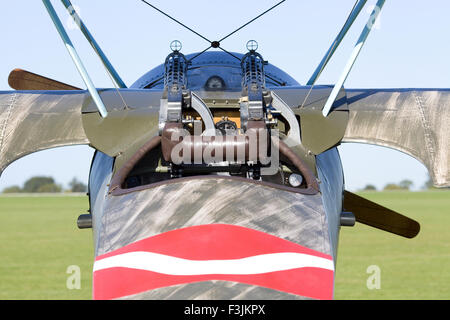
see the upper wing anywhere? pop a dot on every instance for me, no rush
(31, 121)
(36, 120)
(414, 121)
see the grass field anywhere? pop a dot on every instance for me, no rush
(39, 240)
(416, 268)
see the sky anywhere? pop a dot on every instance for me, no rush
(407, 49)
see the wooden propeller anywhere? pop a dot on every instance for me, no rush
(377, 216)
(24, 80)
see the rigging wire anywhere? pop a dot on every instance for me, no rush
(180, 23)
(198, 54)
(246, 24)
(126, 107)
(229, 53)
(213, 44)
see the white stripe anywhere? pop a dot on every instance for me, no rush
(176, 266)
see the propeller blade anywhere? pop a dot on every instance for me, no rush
(377, 216)
(24, 80)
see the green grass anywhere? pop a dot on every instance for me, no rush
(39, 240)
(411, 269)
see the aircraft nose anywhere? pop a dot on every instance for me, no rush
(213, 238)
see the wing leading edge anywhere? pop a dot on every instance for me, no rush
(31, 121)
(414, 121)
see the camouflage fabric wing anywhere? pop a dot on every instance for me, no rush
(414, 121)
(36, 120)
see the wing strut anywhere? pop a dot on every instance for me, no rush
(352, 17)
(357, 49)
(76, 59)
(114, 75)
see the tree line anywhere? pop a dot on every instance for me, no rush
(46, 185)
(405, 185)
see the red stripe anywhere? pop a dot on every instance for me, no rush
(308, 282)
(214, 242)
